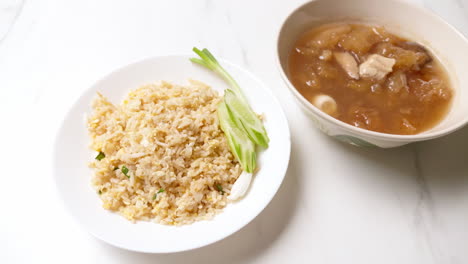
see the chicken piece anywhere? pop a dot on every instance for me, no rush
(376, 66)
(325, 103)
(348, 63)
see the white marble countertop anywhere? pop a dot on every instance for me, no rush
(338, 204)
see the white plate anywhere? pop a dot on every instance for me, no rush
(73, 177)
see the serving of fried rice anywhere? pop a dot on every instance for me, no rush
(164, 157)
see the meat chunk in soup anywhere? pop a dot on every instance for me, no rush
(348, 63)
(376, 66)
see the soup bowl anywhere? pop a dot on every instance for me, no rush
(398, 17)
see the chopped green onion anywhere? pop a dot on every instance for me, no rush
(220, 188)
(156, 194)
(100, 156)
(116, 168)
(125, 171)
(100, 192)
(236, 102)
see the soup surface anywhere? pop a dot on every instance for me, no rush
(365, 76)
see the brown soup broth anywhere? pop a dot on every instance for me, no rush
(413, 97)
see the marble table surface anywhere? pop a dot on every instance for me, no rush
(337, 204)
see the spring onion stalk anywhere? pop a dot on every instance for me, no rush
(235, 100)
(240, 187)
(240, 144)
(241, 126)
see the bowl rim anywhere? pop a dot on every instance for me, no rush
(122, 67)
(425, 135)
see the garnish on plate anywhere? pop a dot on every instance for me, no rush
(156, 194)
(241, 125)
(220, 188)
(125, 171)
(100, 155)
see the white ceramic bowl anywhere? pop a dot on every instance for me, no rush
(73, 177)
(402, 18)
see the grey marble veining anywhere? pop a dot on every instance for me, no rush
(9, 12)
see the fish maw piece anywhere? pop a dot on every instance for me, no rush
(309, 78)
(326, 55)
(364, 117)
(326, 70)
(307, 51)
(430, 91)
(360, 40)
(329, 37)
(411, 58)
(376, 67)
(396, 82)
(407, 127)
(348, 63)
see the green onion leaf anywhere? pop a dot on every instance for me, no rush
(240, 144)
(236, 102)
(246, 118)
(100, 192)
(125, 171)
(161, 190)
(209, 61)
(100, 156)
